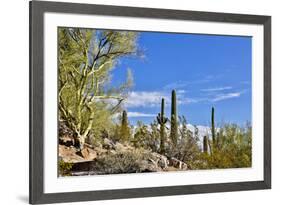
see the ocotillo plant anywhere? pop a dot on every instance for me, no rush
(213, 126)
(162, 120)
(174, 121)
(205, 144)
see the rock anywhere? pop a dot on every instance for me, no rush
(88, 154)
(119, 147)
(68, 154)
(66, 140)
(177, 164)
(100, 151)
(149, 166)
(108, 144)
(161, 160)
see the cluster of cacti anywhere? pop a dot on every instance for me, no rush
(174, 120)
(162, 120)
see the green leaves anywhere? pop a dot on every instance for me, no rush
(86, 58)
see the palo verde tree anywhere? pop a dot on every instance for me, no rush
(86, 58)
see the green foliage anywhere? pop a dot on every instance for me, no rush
(187, 148)
(88, 104)
(233, 148)
(65, 168)
(141, 136)
(174, 120)
(125, 130)
(162, 120)
(147, 137)
(155, 137)
(86, 58)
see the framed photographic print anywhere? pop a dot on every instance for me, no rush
(132, 102)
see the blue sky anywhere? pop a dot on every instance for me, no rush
(205, 70)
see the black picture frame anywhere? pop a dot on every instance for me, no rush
(36, 26)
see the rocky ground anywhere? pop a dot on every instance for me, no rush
(113, 157)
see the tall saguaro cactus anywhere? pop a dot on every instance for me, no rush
(205, 144)
(162, 120)
(174, 121)
(125, 128)
(213, 126)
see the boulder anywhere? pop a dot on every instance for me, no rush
(87, 153)
(66, 140)
(160, 160)
(177, 164)
(108, 144)
(68, 154)
(119, 147)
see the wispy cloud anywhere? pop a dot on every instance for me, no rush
(150, 99)
(144, 99)
(153, 98)
(183, 84)
(216, 89)
(181, 91)
(140, 114)
(176, 85)
(225, 96)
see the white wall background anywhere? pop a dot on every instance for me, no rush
(14, 100)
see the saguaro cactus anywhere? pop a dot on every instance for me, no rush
(213, 126)
(174, 121)
(205, 144)
(125, 129)
(162, 120)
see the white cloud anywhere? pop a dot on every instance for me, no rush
(226, 96)
(181, 91)
(140, 114)
(176, 85)
(153, 99)
(145, 99)
(216, 89)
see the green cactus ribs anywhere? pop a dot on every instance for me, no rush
(162, 120)
(213, 126)
(174, 120)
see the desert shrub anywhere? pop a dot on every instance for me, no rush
(141, 135)
(147, 137)
(187, 148)
(154, 139)
(122, 162)
(233, 148)
(122, 130)
(64, 168)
